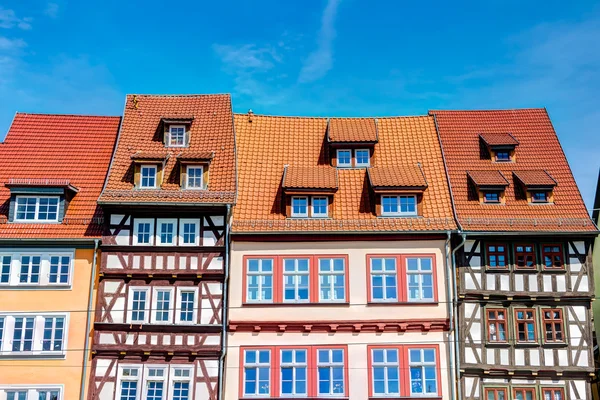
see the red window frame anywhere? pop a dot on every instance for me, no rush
(495, 390)
(275, 369)
(552, 391)
(552, 253)
(404, 368)
(496, 253)
(524, 391)
(525, 254)
(533, 320)
(402, 278)
(313, 297)
(553, 321)
(497, 322)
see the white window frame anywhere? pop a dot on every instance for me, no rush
(340, 165)
(187, 177)
(332, 273)
(356, 163)
(53, 336)
(36, 218)
(136, 226)
(147, 378)
(296, 273)
(58, 272)
(384, 273)
(294, 365)
(179, 308)
(387, 365)
(172, 301)
(256, 365)
(170, 141)
(146, 309)
(5, 269)
(151, 167)
(37, 340)
(331, 365)
(14, 269)
(260, 273)
(138, 378)
(423, 364)
(313, 213)
(419, 272)
(184, 221)
(33, 391)
(159, 222)
(399, 213)
(300, 215)
(173, 378)
(29, 275)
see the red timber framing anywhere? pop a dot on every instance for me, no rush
(160, 304)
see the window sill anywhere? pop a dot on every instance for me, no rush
(496, 345)
(518, 270)
(38, 355)
(554, 270)
(497, 270)
(402, 303)
(35, 287)
(526, 344)
(555, 344)
(298, 304)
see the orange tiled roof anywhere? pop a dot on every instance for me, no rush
(65, 149)
(319, 177)
(197, 155)
(535, 178)
(211, 132)
(397, 176)
(498, 139)
(538, 149)
(268, 143)
(352, 130)
(487, 178)
(149, 155)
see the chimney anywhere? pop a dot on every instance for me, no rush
(250, 114)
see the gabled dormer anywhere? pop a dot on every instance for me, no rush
(148, 169)
(490, 186)
(176, 130)
(39, 200)
(500, 146)
(398, 190)
(352, 141)
(536, 185)
(308, 191)
(194, 169)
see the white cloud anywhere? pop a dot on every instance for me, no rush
(51, 10)
(247, 57)
(320, 61)
(7, 44)
(9, 19)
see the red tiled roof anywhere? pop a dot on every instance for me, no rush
(535, 178)
(352, 130)
(268, 143)
(211, 131)
(58, 148)
(487, 178)
(498, 139)
(149, 155)
(319, 177)
(459, 132)
(198, 155)
(397, 176)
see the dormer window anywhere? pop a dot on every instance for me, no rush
(195, 177)
(176, 136)
(319, 207)
(398, 190)
(536, 185)
(362, 157)
(491, 197)
(357, 158)
(490, 186)
(176, 130)
(344, 158)
(399, 206)
(299, 206)
(503, 156)
(308, 191)
(501, 146)
(37, 208)
(539, 197)
(148, 176)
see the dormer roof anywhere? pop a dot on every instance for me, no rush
(15, 183)
(397, 177)
(487, 179)
(352, 130)
(499, 139)
(318, 178)
(142, 156)
(535, 179)
(196, 155)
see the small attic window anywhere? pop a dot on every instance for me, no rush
(503, 156)
(492, 197)
(176, 136)
(148, 176)
(539, 197)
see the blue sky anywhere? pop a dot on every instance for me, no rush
(312, 57)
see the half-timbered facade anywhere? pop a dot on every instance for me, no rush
(340, 241)
(160, 300)
(524, 267)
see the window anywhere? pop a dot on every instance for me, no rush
(162, 303)
(16, 395)
(166, 231)
(5, 269)
(176, 136)
(502, 156)
(143, 232)
(138, 305)
(525, 325)
(423, 371)
(552, 320)
(189, 232)
(23, 334)
(186, 306)
(296, 275)
(37, 209)
(344, 158)
(524, 393)
(539, 197)
(59, 269)
(496, 324)
(362, 157)
(1, 331)
(194, 177)
(525, 256)
(181, 382)
(319, 207)
(148, 176)
(496, 394)
(384, 281)
(496, 256)
(260, 280)
(419, 274)
(491, 197)
(33, 334)
(330, 372)
(299, 206)
(294, 364)
(398, 205)
(553, 257)
(54, 328)
(30, 269)
(40, 268)
(129, 384)
(155, 383)
(31, 393)
(332, 280)
(257, 372)
(385, 371)
(553, 394)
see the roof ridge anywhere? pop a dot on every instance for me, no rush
(330, 117)
(68, 115)
(179, 95)
(489, 110)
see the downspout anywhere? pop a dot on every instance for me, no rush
(224, 313)
(455, 306)
(89, 321)
(450, 306)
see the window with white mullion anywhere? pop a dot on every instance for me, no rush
(148, 176)
(129, 379)
(166, 232)
(30, 269)
(48, 394)
(194, 177)
(319, 206)
(5, 263)
(189, 232)
(180, 383)
(332, 280)
(293, 379)
(423, 372)
(300, 206)
(419, 273)
(54, 329)
(186, 310)
(138, 305)
(16, 394)
(60, 267)
(330, 372)
(2, 332)
(384, 279)
(143, 231)
(162, 306)
(257, 373)
(385, 372)
(177, 136)
(259, 280)
(155, 378)
(36, 209)
(296, 278)
(23, 334)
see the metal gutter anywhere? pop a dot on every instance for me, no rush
(449, 296)
(224, 313)
(89, 321)
(531, 233)
(142, 204)
(455, 306)
(417, 232)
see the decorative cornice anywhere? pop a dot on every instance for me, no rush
(407, 325)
